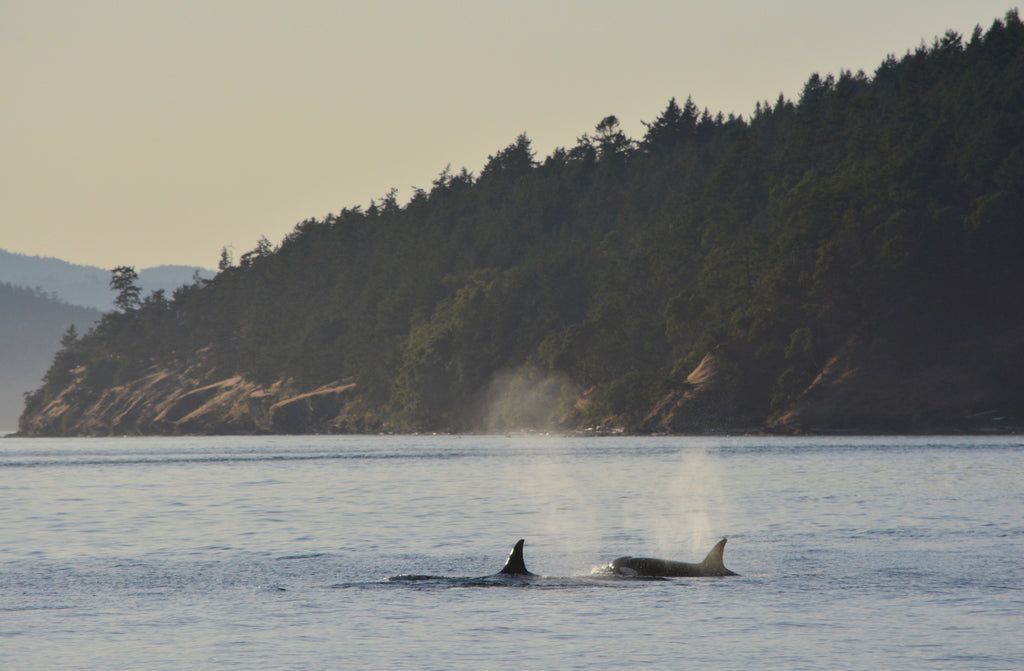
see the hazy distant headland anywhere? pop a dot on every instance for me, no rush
(849, 261)
(39, 299)
(31, 324)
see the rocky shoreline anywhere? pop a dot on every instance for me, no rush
(856, 392)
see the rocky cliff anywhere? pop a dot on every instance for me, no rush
(191, 400)
(861, 388)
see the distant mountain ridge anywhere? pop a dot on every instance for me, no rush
(39, 299)
(86, 285)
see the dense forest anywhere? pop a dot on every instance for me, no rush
(875, 225)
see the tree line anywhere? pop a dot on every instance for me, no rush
(887, 206)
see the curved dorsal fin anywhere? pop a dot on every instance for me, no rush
(516, 565)
(714, 563)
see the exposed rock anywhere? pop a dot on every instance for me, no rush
(862, 388)
(318, 411)
(866, 390)
(177, 402)
(701, 403)
(716, 396)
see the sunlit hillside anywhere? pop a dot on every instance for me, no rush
(846, 261)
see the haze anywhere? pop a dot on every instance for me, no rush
(148, 133)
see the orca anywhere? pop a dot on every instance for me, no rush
(713, 565)
(513, 573)
(516, 565)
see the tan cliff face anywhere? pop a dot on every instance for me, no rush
(860, 389)
(704, 402)
(178, 402)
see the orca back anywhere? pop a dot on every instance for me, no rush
(714, 563)
(516, 565)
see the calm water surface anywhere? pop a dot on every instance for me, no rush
(275, 553)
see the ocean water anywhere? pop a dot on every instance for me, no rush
(276, 552)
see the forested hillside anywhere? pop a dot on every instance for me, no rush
(850, 260)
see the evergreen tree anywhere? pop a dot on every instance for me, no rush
(124, 281)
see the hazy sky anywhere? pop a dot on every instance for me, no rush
(144, 132)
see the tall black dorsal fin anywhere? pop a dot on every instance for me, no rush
(516, 565)
(714, 563)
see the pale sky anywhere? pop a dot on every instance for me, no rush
(144, 132)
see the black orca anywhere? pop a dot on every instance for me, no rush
(516, 565)
(713, 565)
(515, 573)
(512, 573)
